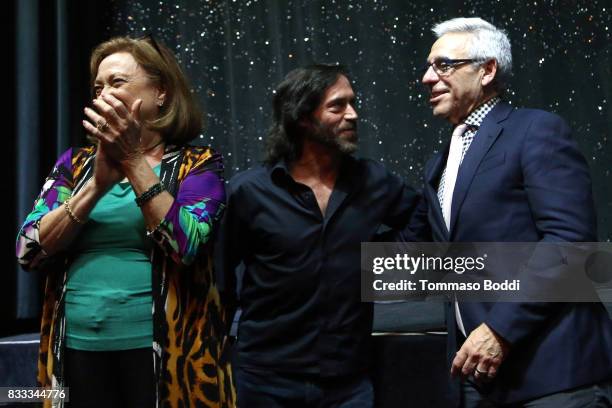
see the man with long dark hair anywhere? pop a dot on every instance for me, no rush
(297, 223)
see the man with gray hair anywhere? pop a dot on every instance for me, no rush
(510, 175)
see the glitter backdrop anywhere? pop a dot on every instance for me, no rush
(235, 52)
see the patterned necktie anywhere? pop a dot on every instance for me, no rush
(452, 168)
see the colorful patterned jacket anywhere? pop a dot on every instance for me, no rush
(189, 323)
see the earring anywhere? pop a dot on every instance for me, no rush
(160, 103)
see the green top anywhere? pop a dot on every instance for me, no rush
(108, 291)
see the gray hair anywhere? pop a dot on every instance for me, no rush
(487, 42)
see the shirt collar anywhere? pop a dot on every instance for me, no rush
(279, 172)
(476, 118)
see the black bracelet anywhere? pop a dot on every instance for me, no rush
(154, 190)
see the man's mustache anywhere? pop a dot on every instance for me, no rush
(352, 126)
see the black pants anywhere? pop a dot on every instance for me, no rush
(270, 389)
(597, 395)
(110, 378)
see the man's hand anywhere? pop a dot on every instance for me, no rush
(481, 354)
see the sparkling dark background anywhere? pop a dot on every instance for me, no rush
(235, 52)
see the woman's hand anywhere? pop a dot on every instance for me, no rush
(115, 122)
(107, 172)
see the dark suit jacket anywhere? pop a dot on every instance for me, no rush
(523, 179)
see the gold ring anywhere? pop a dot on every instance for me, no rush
(102, 125)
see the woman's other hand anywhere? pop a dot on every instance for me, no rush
(115, 122)
(107, 172)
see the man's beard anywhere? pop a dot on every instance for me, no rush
(328, 138)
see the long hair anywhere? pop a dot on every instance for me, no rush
(180, 118)
(295, 99)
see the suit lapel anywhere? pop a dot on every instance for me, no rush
(487, 134)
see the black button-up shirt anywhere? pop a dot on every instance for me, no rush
(301, 293)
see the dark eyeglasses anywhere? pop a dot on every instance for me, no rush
(445, 66)
(149, 37)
